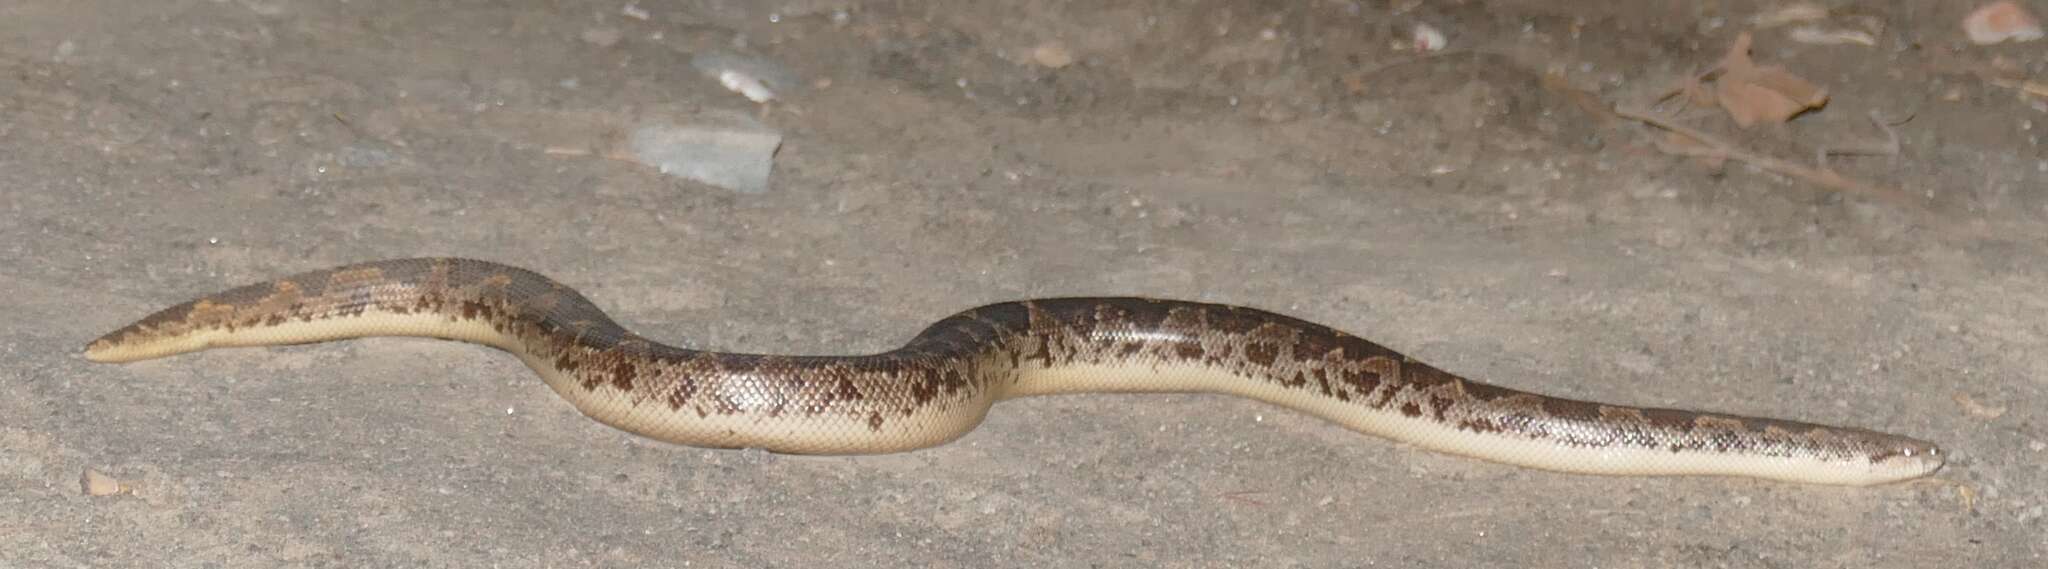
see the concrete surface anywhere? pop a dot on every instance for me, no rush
(1295, 156)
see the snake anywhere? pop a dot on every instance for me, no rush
(942, 382)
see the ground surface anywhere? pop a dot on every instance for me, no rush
(1296, 156)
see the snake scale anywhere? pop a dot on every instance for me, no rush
(941, 383)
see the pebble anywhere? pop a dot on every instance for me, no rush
(1053, 55)
(757, 78)
(93, 483)
(2000, 22)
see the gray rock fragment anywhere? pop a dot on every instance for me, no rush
(734, 154)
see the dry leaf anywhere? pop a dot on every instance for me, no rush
(1749, 103)
(1752, 93)
(1696, 93)
(1793, 87)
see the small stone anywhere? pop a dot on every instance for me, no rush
(93, 483)
(746, 85)
(1428, 38)
(759, 79)
(2000, 22)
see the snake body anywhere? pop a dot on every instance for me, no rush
(941, 383)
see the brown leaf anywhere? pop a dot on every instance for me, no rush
(1795, 88)
(1737, 61)
(1752, 93)
(1750, 103)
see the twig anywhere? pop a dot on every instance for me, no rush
(1715, 147)
(2035, 88)
(1244, 496)
(1889, 148)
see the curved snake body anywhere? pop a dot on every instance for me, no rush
(941, 383)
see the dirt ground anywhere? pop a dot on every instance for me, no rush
(1476, 207)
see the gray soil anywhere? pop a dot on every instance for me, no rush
(1474, 207)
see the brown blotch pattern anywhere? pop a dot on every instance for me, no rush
(961, 364)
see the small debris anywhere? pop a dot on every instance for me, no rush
(1967, 495)
(1052, 54)
(1978, 410)
(93, 483)
(1818, 35)
(2034, 88)
(1686, 141)
(758, 79)
(746, 85)
(634, 11)
(2000, 22)
(1428, 38)
(1791, 14)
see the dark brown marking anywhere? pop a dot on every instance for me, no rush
(1299, 379)
(623, 373)
(1363, 381)
(846, 390)
(1261, 353)
(1044, 352)
(952, 363)
(1438, 405)
(1479, 425)
(679, 394)
(923, 392)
